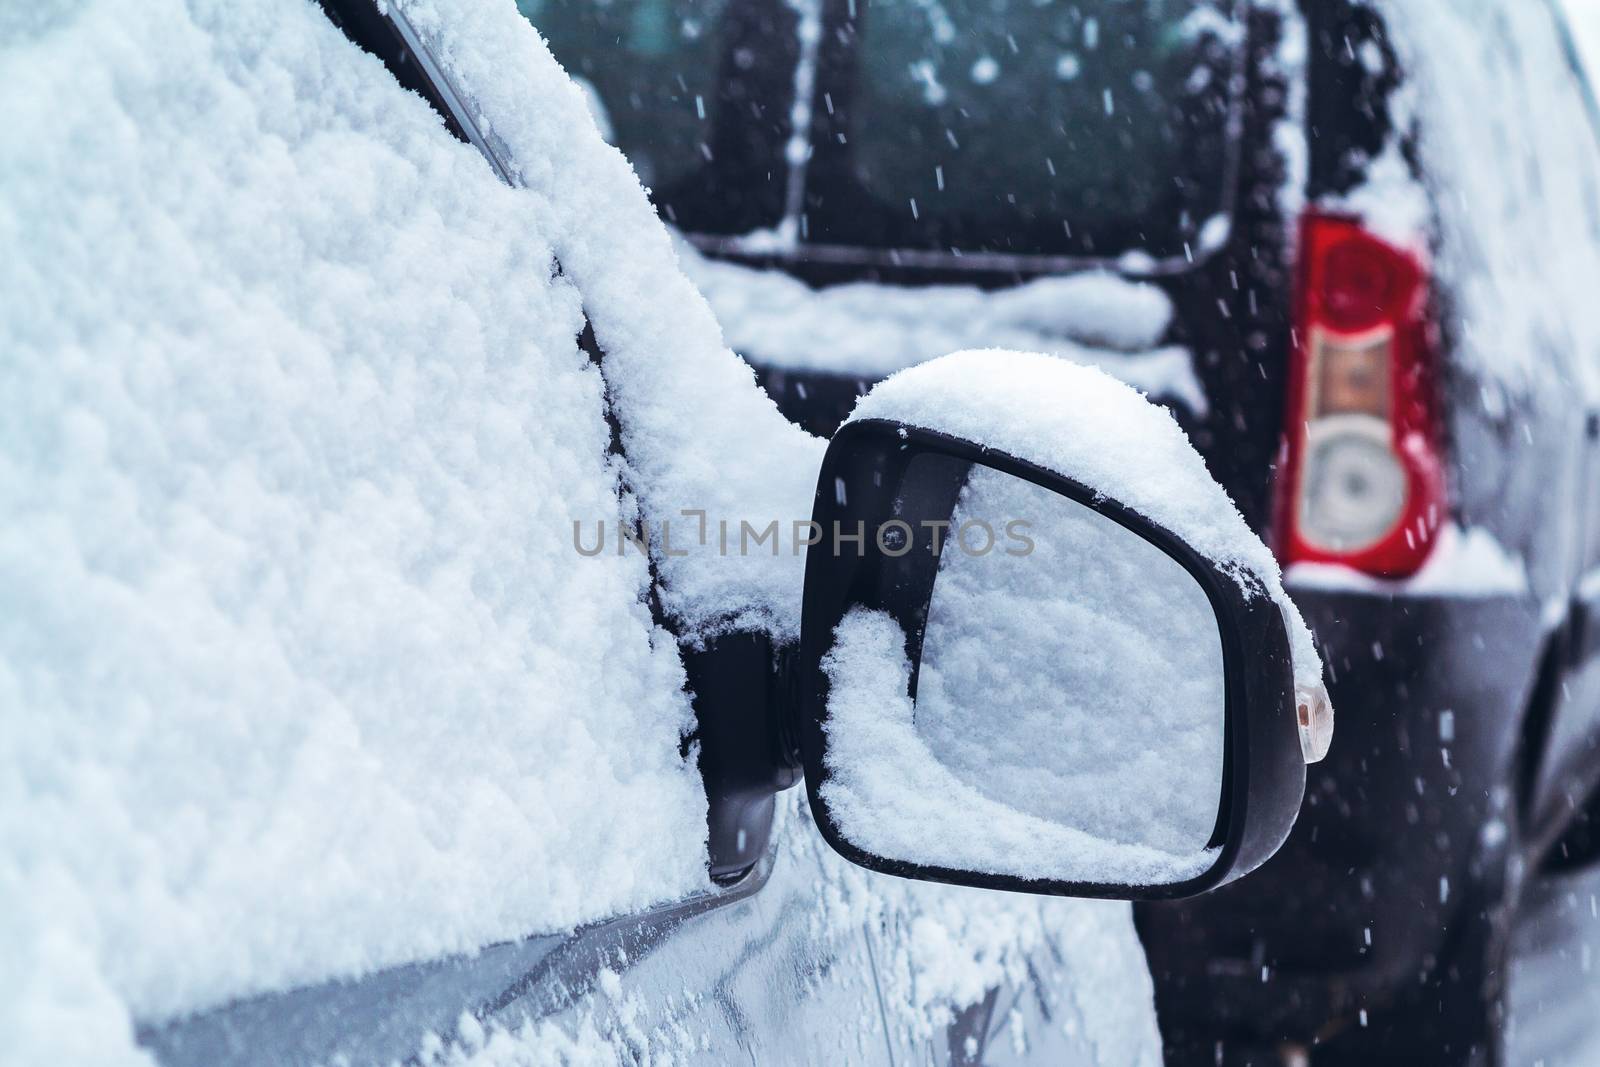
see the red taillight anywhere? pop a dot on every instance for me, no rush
(1362, 479)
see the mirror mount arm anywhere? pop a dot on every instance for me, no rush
(746, 698)
(787, 710)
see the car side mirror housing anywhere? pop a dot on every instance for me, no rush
(1012, 678)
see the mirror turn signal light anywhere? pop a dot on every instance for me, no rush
(1314, 713)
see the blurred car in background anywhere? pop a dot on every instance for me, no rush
(1352, 246)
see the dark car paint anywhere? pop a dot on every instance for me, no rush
(1414, 843)
(1406, 837)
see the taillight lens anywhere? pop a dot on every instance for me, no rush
(1362, 482)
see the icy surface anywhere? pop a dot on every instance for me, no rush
(299, 673)
(873, 330)
(1081, 422)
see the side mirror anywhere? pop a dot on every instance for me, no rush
(1036, 653)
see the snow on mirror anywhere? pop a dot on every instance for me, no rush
(1065, 717)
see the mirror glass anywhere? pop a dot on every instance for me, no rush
(1066, 719)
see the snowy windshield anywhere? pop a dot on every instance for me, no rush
(1036, 128)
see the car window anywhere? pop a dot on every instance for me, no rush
(910, 122)
(657, 74)
(697, 95)
(1008, 125)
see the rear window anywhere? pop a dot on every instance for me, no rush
(1035, 128)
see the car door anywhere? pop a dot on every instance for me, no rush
(294, 653)
(749, 974)
(932, 954)
(336, 847)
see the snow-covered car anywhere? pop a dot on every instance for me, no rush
(412, 614)
(1352, 244)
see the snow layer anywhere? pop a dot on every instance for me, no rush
(1391, 200)
(873, 330)
(1070, 974)
(896, 793)
(1082, 681)
(299, 674)
(1584, 18)
(1081, 422)
(1290, 62)
(1464, 562)
(1520, 238)
(699, 435)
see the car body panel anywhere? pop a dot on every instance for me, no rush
(778, 970)
(1402, 826)
(726, 979)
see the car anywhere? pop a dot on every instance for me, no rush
(416, 625)
(1351, 244)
